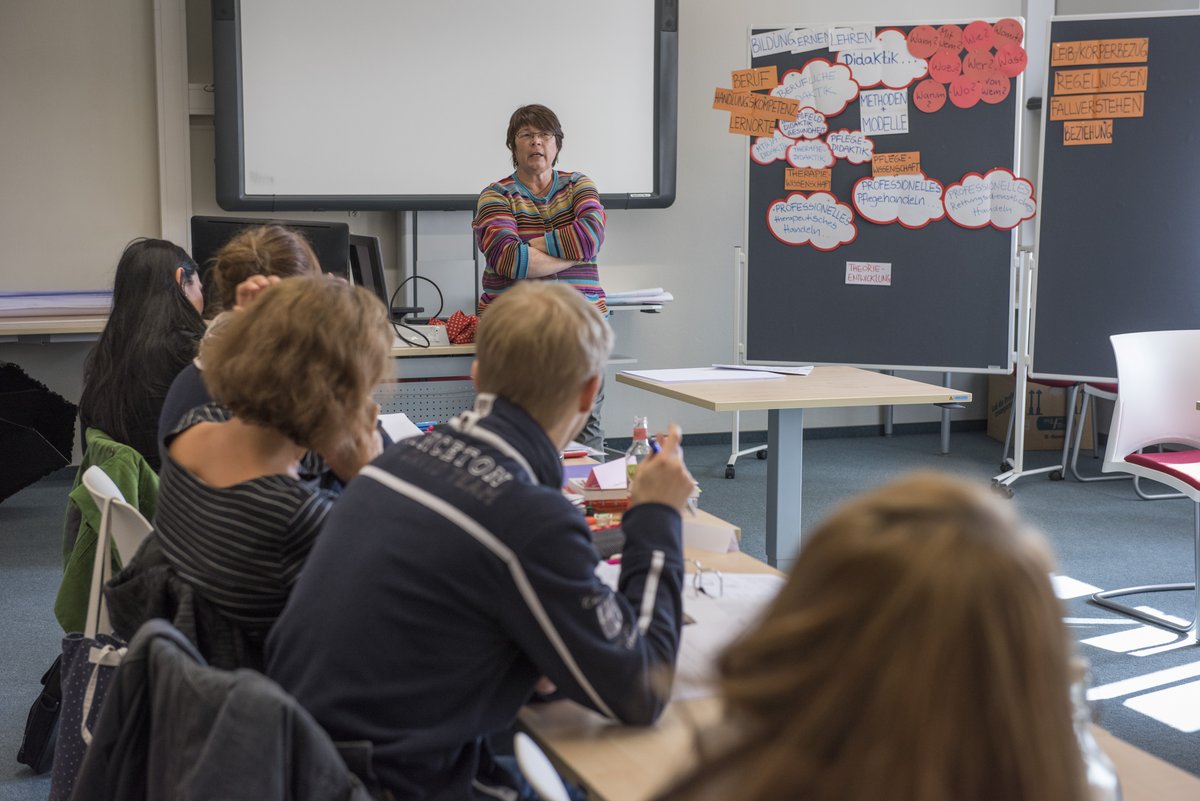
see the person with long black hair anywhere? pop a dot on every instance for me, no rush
(152, 333)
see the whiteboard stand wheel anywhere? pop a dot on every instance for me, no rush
(1057, 475)
(760, 455)
(728, 471)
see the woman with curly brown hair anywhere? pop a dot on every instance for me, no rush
(292, 373)
(916, 653)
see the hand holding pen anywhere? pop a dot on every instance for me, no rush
(664, 478)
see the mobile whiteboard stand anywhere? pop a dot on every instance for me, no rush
(1026, 301)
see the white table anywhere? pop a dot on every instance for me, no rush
(785, 400)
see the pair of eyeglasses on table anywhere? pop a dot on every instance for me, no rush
(707, 581)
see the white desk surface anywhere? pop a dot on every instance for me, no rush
(824, 387)
(626, 763)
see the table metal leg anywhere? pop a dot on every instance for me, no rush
(785, 468)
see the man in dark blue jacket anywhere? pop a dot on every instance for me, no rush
(452, 574)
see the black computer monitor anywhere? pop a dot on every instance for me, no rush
(329, 240)
(366, 266)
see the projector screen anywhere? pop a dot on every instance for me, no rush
(379, 104)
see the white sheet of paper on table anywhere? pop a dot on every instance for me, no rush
(717, 622)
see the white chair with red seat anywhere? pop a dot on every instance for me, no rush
(1156, 405)
(1091, 393)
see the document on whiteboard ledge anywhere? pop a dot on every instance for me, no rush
(782, 369)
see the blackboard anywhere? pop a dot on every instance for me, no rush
(1117, 246)
(950, 303)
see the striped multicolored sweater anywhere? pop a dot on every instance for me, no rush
(571, 218)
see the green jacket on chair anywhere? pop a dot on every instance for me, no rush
(138, 483)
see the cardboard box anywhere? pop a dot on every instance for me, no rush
(1045, 421)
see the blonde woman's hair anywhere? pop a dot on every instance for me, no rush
(537, 344)
(263, 250)
(302, 359)
(916, 653)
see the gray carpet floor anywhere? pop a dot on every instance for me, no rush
(1148, 692)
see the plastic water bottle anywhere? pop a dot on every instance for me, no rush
(639, 450)
(1101, 775)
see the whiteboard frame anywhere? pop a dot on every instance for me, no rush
(228, 120)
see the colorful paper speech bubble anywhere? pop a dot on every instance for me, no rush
(965, 92)
(950, 37)
(853, 146)
(929, 95)
(1009, 30)
(818, 219)
(945, 66)
(1011, 59)
(995, 88)
(998, 199)
(923, 41)
(809, 124)
(810, 153)
(978, 64)
(766, 150)
(914, 201)
(887, 62)
(819, 85)
(979, 36)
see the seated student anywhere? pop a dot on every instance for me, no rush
(453, 573)
(268, 250)
(916, 653)
(236, 518)
(151, 334)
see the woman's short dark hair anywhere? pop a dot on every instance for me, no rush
(151, 334)
(539, 118)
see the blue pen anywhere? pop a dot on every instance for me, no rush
(691, 502)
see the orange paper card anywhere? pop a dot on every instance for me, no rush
(756, 79)
(906, 163)
(1099, 51)
(763, 106)
(1100, 79)
(1088, 132)
(1095, 107)
(740, 123)
(807, 180)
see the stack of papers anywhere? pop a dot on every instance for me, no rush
(638, 297)
(700, 374)
(782, 369)
(36, 304)
(398, 426)
(603, 482)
